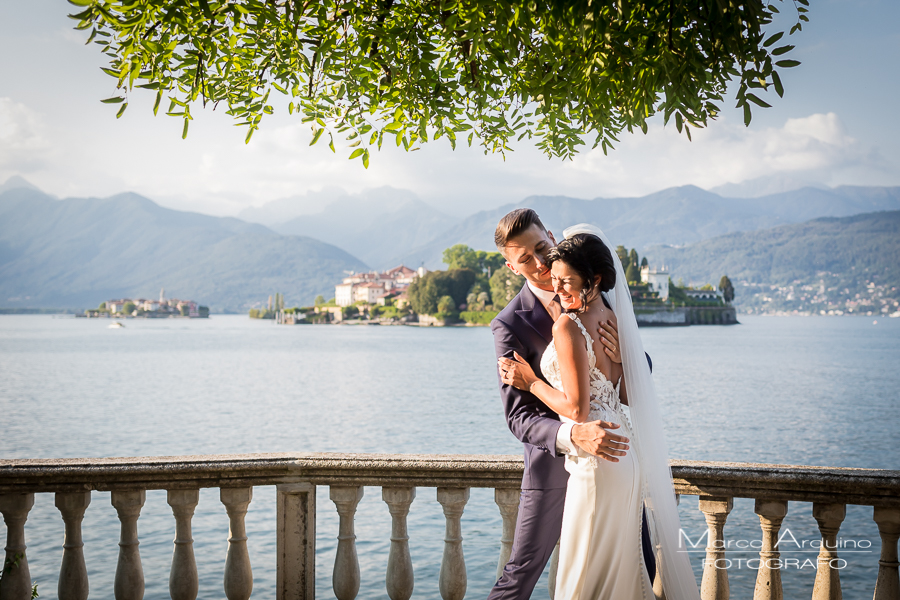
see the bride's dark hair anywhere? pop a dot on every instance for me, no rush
(588, 256)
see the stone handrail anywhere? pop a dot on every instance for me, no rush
(297, 475)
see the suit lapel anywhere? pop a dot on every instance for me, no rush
(534, 314)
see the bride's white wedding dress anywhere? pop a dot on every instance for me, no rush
(600, 555)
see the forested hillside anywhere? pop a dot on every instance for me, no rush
(847, 264)
(77, 252)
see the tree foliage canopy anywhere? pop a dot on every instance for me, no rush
(411, 71)
(504, 286)
(727, 288)
(461, 256)
(425, 293)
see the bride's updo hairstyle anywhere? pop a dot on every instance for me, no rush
(588, 256)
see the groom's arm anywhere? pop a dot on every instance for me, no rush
(522, 408)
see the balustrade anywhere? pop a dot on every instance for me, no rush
(714, 585)
(297, 476)
(399, 579)
(345, 577)
(73, 578)
(828, 579)
(238, 574)
(452, 579)
(129, 583)
(16, 580)
(184, 582)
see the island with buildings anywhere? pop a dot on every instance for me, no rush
(164, 308)
(476, 286)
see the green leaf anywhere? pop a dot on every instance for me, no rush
(185, 129)
(204, 5)
(747, 115)
(773, 39)
(776, 79)
(357, 152)
(756, 100)
(787, 64)
(121, 110)
(365, 158)
(156, 103)
(316, 135)
(782, 50)
(114, 100)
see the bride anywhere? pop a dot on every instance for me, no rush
(600, 555)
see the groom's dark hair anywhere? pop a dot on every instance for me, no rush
(513, 224)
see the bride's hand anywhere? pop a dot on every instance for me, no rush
(517, 373)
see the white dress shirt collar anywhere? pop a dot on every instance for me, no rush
(545, 296)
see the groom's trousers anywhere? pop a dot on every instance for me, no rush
(537, 531)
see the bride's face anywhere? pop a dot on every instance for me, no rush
(568, 284)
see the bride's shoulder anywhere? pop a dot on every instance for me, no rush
(565, 325)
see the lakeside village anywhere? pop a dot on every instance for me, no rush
(164, 308)
(476, 286)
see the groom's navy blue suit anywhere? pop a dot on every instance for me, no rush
(526, 327)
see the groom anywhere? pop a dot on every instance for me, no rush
(525, 327)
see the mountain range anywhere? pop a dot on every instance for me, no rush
(78, 252)
(675, 216)
(385, 227)
(863, 247)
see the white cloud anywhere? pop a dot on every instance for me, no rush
(279, 162)
(23, 147)
(816, 147)
(213, 171)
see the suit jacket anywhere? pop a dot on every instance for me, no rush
(526, 327)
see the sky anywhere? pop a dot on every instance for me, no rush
(837, 124)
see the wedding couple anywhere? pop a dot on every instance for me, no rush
(597, 476)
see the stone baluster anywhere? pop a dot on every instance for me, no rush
(508, 502)
(184, 582)
(658, 592)
(238, 573)
(828, 579)
(887, 586)
(554, 567)
(453, 563)
(129, 584)
(714, 585)
(73, 577)
(345, 577)
(296, 541)
(399, 579)
(768, 576)
(16, 581)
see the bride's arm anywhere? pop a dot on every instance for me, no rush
(574, 402)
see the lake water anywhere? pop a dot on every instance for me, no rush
(819, 391)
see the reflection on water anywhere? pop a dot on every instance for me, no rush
(778, 390)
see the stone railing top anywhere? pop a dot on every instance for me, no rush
(746, 480)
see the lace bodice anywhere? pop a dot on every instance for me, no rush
(605, 403)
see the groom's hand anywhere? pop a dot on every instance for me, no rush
(595, 438)
(609, 335)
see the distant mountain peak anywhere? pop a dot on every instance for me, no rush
(17, 182)
(766, 186)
